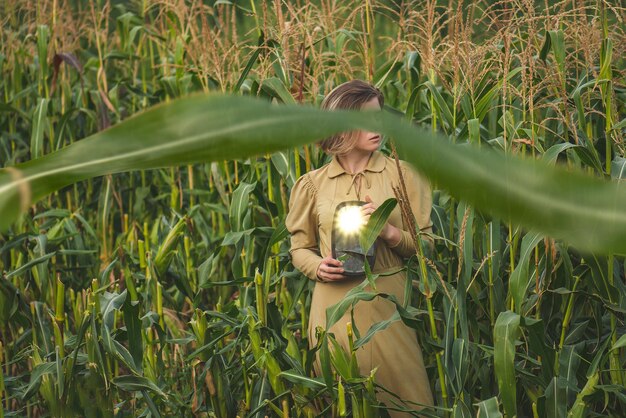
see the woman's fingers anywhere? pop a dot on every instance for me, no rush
(334, 262)
(331, 265)
(333, 277)
(367, 210)
(330, 269)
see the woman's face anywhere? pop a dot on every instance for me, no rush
(368, 141)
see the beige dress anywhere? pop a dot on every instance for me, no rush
(314, 197)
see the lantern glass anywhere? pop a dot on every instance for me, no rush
(346, 247)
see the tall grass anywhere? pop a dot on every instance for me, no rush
(169, 292)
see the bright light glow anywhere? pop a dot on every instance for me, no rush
(350, 219)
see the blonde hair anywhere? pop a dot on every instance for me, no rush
(350, 95)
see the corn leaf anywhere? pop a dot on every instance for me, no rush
(376, 223)
(585, 211)
(489, 408)
(506, 332)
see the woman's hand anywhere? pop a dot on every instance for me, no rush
(389, 233)
(330, 270)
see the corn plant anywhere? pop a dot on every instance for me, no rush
(144, 254)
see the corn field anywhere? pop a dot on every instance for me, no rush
(143, 253)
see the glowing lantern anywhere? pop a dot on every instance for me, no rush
(347, 225)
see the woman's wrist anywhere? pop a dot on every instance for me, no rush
(391, 235)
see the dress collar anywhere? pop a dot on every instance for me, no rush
(375, 163)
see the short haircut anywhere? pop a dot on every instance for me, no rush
(351, 95)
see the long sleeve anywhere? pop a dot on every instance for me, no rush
(421, 200)
(301, 222)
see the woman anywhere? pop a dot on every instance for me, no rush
(358, 171)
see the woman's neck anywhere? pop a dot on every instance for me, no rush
(354, 162)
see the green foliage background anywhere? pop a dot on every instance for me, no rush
(170, 292)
